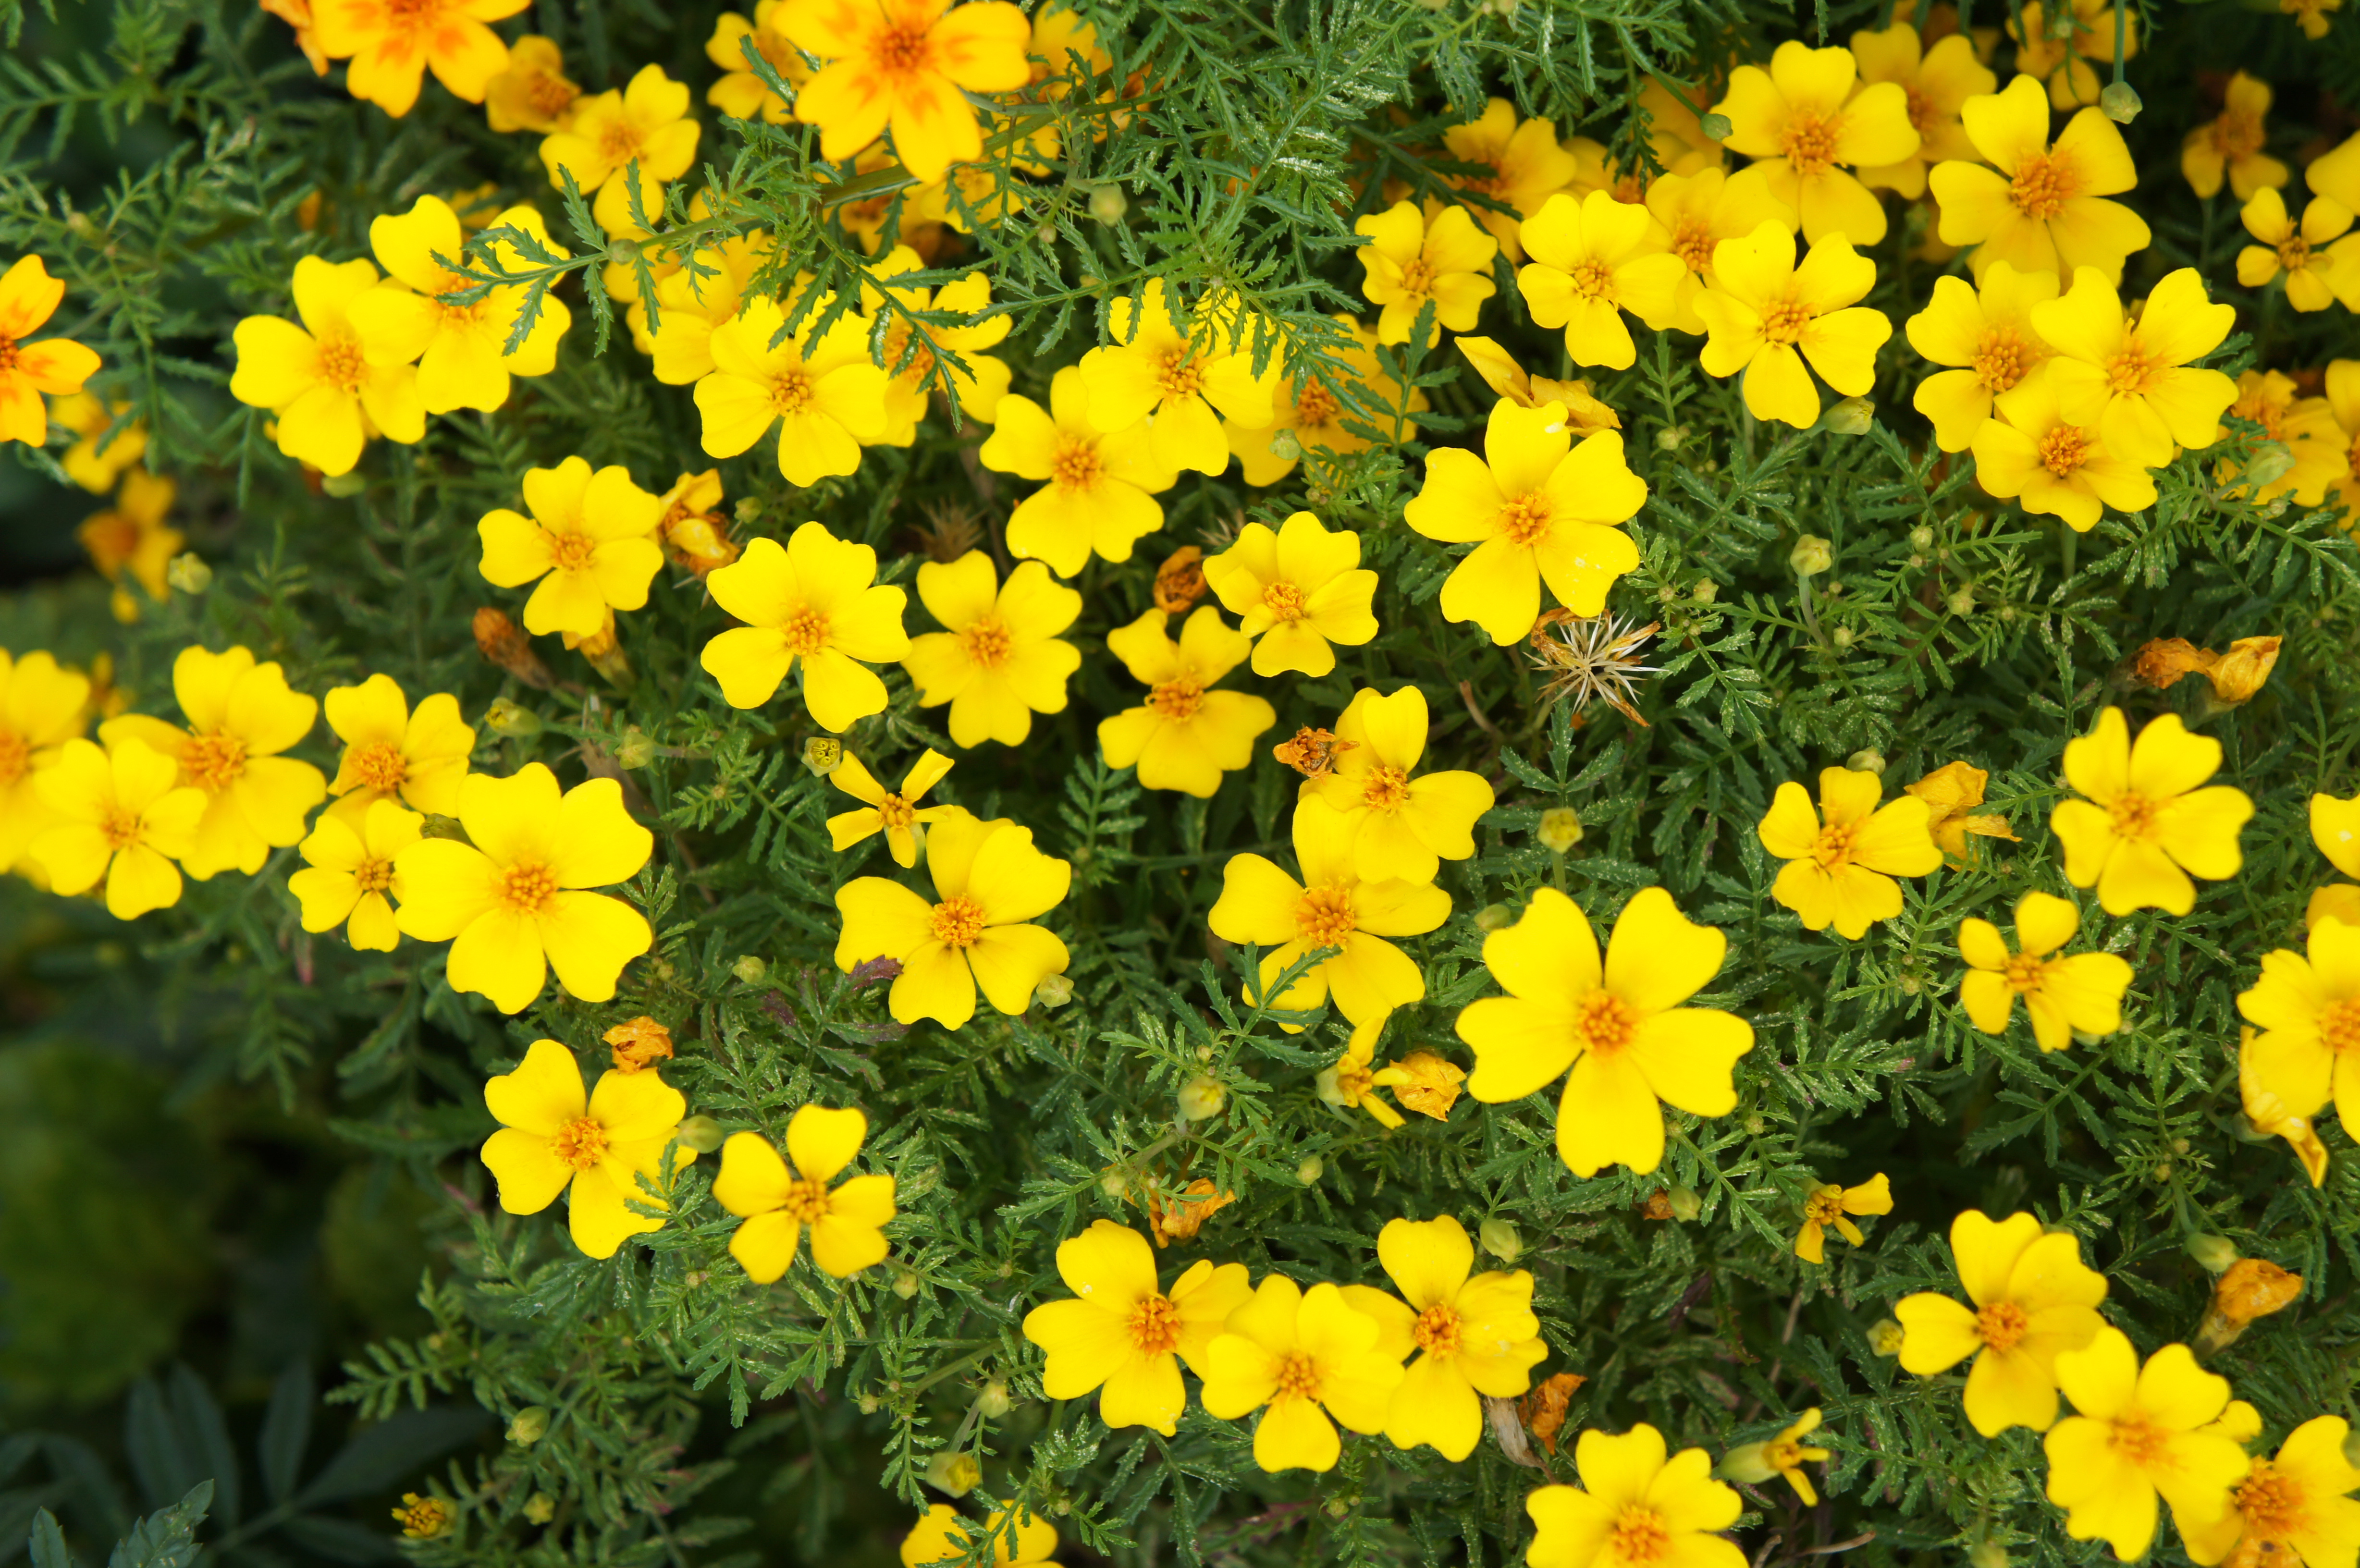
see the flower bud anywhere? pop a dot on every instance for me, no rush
(1054, 991)
(2272, 460)
(823, 755)
(1842, 637)
(2214, 1253)
(1749, 1462)
(906, 1283)
(1921, 538)
(1870, 760)
(749, 970)
(1310, 1171)
(1285, 447)
(635, 749)
(1669, 438)
(702, 1134)
(507, 718)
(1884, 1337)
(1987, 1554)
(530, 1425)
(1706, 592)
(502, 642)
(1686, 1205)
(993, 1399)
(1500, 1239)
(1494, 917)
(1851, 417)
(1962, 603)
(868, 1403)
(1202, 1097)
(541, 1507)
(1716, 127)
(1560, 829)
(1811, 556)
(956, 1473)
(344, 486)
(1108, 203)
(189, 572)
(2118, 101)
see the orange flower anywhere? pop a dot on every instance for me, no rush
(1181, 1216)
(639, 1044)
(906, 64)
(393, 43)
(28, 297)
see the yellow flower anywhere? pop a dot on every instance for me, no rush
(895, 814)
(1538, 509)
(2306, 427)
(42, 708)
(1937, 80)
(1101, 484)
(991, 883)
(1312, 415)
(906, 67)
(2059, 51)
(592, 1148)
(1831, 1204)
(1507, 379)
(2139, 1432)
(847, 1221)
(2268, 1116)
(129, 542)
(1805, 121)
(393, 43)
(1698, 211)
(741, 94)
(2231, 146)
(58, 367)
(390, 749)
(2335, 829)
(2294, 1508)
(1951, 793)
(693, 532)
(531, 93)
(106, 443)
(1984, 330)
(2132, 381)
(514, 902)
(585, 546)
(1635, 1508)
(1354, 1078)
(1154, 367)
(2032, 454)
(348, 874)
(1399, 825)
(120, 815)
(1300, 1358)
(1785, 1455)
(463, 361)
(2310, 16)
(1186, 735)
(645, 125)
(241, 716)
(1122, 1334)
(1474, 1334)
(816, 600)
(2146, 826)
(1591, 262)
(694, 299)
(944, 1537)
(975, 380)
(1297, 591)
(1410, 261)
(319, 378)
(1616, 1031)
(2033, 1298)
(1520, 165)
(1000, 660)
(1842, 857)
(1766, 316)
(2080, 992)
(2042, 208)
(2308, 1009)
(423, 1518)
(821, 391)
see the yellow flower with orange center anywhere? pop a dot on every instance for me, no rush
(348, 877)
(55, 366)
(2041, 207)
(905, 66)
(1767, 317)
(118, 816)
(2139, 1432)
(1831, 1206)
(847, 1221)
(1937, 78)
(1514, 167)
(391, 750)
(998, 660)
(1843, 857)
(1696, 212)
(1185, 734)
(323, 380)
(1296, 590)
(391, 44)
(894, 813)
(463, 350)
(2317, 270)
(1785, 1455)
(2134, 381)
(2064, 995)
(2305, 429)
(1310, 416)
(1099, 498)
(1984, 331)
(42, 707)
(815, 606)
(2033, 1299)
(820, 389)
(2059, 48)
(1305, 1359)
(1808, 122)
(603, 1150)
(2231, 146)
(1635, 1508)
(1412, 261)
(532, 93)
(736, 43)
(911, 349)
(609, 139)
(2144, 826)
(2033, 453)
(1592, 260)
(1403, 822)
(1124, 1335)
(2295, 1505)
(2307, 1006)
(585, 548)
(1188, 377)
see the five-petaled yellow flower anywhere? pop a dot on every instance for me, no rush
(847, 1221)
(740, 93)
(2318, 271)
(1616, 1030)
(1635, 1508)
(2064, 994)
(2231, 146)
(894, 813)
(1100, 495)
(1124, 1336)
(1411, 261)
(1939, 78)
(2040, 208)
(1182, 378)
(971, 378)
(2032, 454)
(57, 366)
(321, 380)
(1186, 735)
(460, 350)
(586, 548)
(819, 388)
(1785, 1455)
(1766, 316)
(1832, 1204)
(2307, 1006)
(391, 749)
(2146, 825)
(906, 66)
(815, 602)
(514, 902)
(1843, 857)
(1591, 260)
(348, 877)
(1984, 331)
(1402, 825)
(944, 1537)
(119, 816)
(2296, 1505)
(2034, 1298)
(594, 1148)
(1296, 590)
(643, 126)
(2132, 382)
(532, 93)
(1803, 121)
(998, 660)
(1300, 1358)
(2140, 1432)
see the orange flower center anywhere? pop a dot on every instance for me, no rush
(1605, 1022)
(1315, 406)
(7, 355)
(1593, 279)
(1436, 1330)
(1386, 790)
(2134, 370)
(1155, 1326)
(2025, 972)
(791, 391)
(619, 143)
(1417, 278)
(2002, 357)
(111, 537)
(572, 553)
(380, 766)
(2064, 451)
(373, 875)
(2237, 135)
(341, 365)
(1824, 1206)
(1178, 375)
(527, 889)
(1177, 699)
(213, 760)
(549, 96)
(454, 312)
(897, 811)
(988, 642)
(1693, 242)
(1298, 1377)
(2272, 1501)
(2041, 186)
(804, 631)
(902, 50)
(1355, 1081)
(1922, 114)
(1784, 320)
(2002, 1327)
(2140, 1441)
(2134, 815)
(1831, 851)
(805, 1201)
(1326, 917)
(580, 1143)
(2294, 253)
(897, 343)
(16, 756)
(1640, 1535)
(1525, 518)
(1076, 464)
(1284, 601)
(1809, 143)
(121, 827)
(958, 922)
(2338, 1025)
(2264, 410)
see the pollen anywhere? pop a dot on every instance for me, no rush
(2002, 1327)
(572, 553)
(988, 642)
(1693, 242)
(2271, 1502)
(1525, 518)
(1178, 375)
(2041, 186)
(1785, 321)
(1435, 1330)
(1824, 1206)
(379, 765)
(2140, 1441)
(2025, 973)
(1298, 1377)
(1315, 406)
(2134, 815)
(902, 50)
(1417, 279)
(2002, 358)
(2294, 253)
(791, 391)
(1639, 1535)
(1387, 790)
(527, 889)
(1326, 917)
(804, 631)
(1809, 143)
(1285, 601)
(2065, 451)
(373, 875)
(1593, 279)
(1155, 1326)
(1605, 1023)
(2339, 1026)
(580, 1143)
(958, 922)
(1831, 851)
(342, 363)
(16, 756)
(213, 760)
(1179, 698)
(805, 1201)
(2133, 371)
(1076, 464)
(120, 827)
(896, 812)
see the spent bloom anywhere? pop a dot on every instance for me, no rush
(2034, 1299)
(894, 813)
(906, 67)
(819, 388)
(644, 127)
(1000, 658)
(2064, 994)
(1843, 857)
(1635, 1508)
(1833, 1204)
(847, 1220)
(1411, 261)
(348, 877)
(1121, 1334)
(415, 315)
(2146, 825)
(2307, 1006)
(1296, 590)
(1100, 495)
(1403, 824)
(592, 1148)
(1301, 1357)
(392, 750)
(1807, 122)
(2139, 1432)
(1951, 793)
(586, 548)
(2038, 207)
(120, 816)
(1766, 317)
(2132, 381)
(320, 379)
(391, 44)
(57, 366)
(1185, 734)
(1189, 380)
(814, 602)
(1591, 260)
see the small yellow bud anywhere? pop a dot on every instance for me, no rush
(749, 970)
(702, 1134)
(1054, 991)
(956, 1473)
(1852, 417)
(1811, 556)
(823, 755)
(507, 718)
(1884, 1337)
(1686, 1205)
(993, 1400)
(1560, 829)
(1500, 1239)
(541, 1507)
(1494, 917)
(1108, 203)
(635, 749)
(906, 1283)
(530, 1425)
(188, 573)
(1868, 761)
(1705, 592)
(1201, 1098)
(1310, 1171)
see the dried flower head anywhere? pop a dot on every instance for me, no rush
(639, 1044)
(949, 532)
(2236, 676)
(1425, 1083)
(502, 642)
(1543, 1409)
(2251, 1287)
(1591, 659)
(1312, 752)
(1178, 1216)
(1180, 581)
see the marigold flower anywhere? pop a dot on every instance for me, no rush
(1332, 908)
(1409, 260)
(1592, 260)
(1353, 1080)
(1425, 1083)
(1521, 165)
(2249, 1288)
(1543, 1410)
(1785, 1455)
(2146, 826)
(944, 1537)
(1618, 1027)
(1473, 1334)
(297, 14)
(58, 367)
(1766, 316)
(973, 379)
(905, 67)
(1842, 857)
(740, 93)
(1936, 80)
(2306, 428)
(1507, 379)
(646, 126)
(1951, 793)
(2317, 272)
(2063, 995)
(531, 93)
(1635, 1508)
(2033, 1298)
(2057, 50)
(694, 297)
(1833, 1204)
(895, 814)
(1122, 1334)
(1696, 212)
(2232, 144)
(819, 602)
(1985, 330)
(1805, 121)
(1301, 1357)
(847, 1221)
(1101, 484)
(348, 876)
(105, 442)
(1399, 825)
(2135, 383)
(637, 1045)
(820, 389)
(2296, 1506)
(2139, 1432)
(1180, 581)
(241, 716)
(2307, 1006)
(1296, 591)
(1186, 735)
(1538, 509)
(329, 394)
(1151, 367)
(129, 542)
(463, 360)
(1001, 659)
(118, 815)
(515, 903)
(393, 43)
(2040, 208)
(585, 546)
(391, 750)
(991, 883)
(594, 1147)
(2033, 454)
(2335, 829)
(1312, 415)
(42, 707)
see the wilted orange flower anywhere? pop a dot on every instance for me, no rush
(1181, 1216)
(502, 642)
(1951, 793)
(1180, 581)
(1312, 752)
(694, 533)
(2251, 1287)
(1425, 1084)
(1543, 1409)
(2236, 676)
(639, 1044)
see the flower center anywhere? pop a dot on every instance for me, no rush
(2140, 1441)
(1784, 320)
(1178, 375)
(527, 889)
(111, 537)
(1605, 1022)
(2025, 973)
(902, 50)
(214, 761)
(2294, 253)
(454, 312)
(897, 811)
(1155, 1326)
(373, 875)
(2001, 359)
(1077, 464)
(2237, 135)
(341, 362)
(2134, 815)
(1435, 1330)
(1325, 916)
(7, 355)
(2134, 370)
(1525, 518)
(380, 767)
(1593, 279)
(2271, 1502)
(1693, 242)
(1831, 851)
(2002, 1327)
(1639, 1535)
(1315, 406)
(2042, 185)
(958, 922)
(580, 1143)
(988, 642)
(1386, 790)
(804, 631)
(922, 361)
(2339, 1026)
(1417, 278)
(805, 1201)
(548, 95)
(2064, 451)
(1177, 699)
(1811, 142)
(1824, 1206)
(1355, 1081)
(1298, 1377)
(1921, 111)
(1284, 601)
(618, 141)
(791, 391)
(16, 756)
(121, 827)
(572, 553)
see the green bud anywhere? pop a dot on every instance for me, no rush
(1500, 1239)
(1560, 829)
(906, 1283)
(749, 970)
(507, 718)
(541, 1507)
(1962, 603)
(530, 1425)
(1054, 991)
(823, 755)
(2214, 1253)
(1716, 127)
(2271, 461)
(993, 1399)
(1987, 1554)
(189, 572)
(1851, 417)
(1867, 761)
(1202, 1098)
(1884, 1337)
(1706, 592)
(2119, 102)
(1686, 1205)
(956, 1473)
(635, 749)
(1811, 556)
(702, 1134)
(344, 486)
(1108, 203)
(1310, 1171)
(1494, 917)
